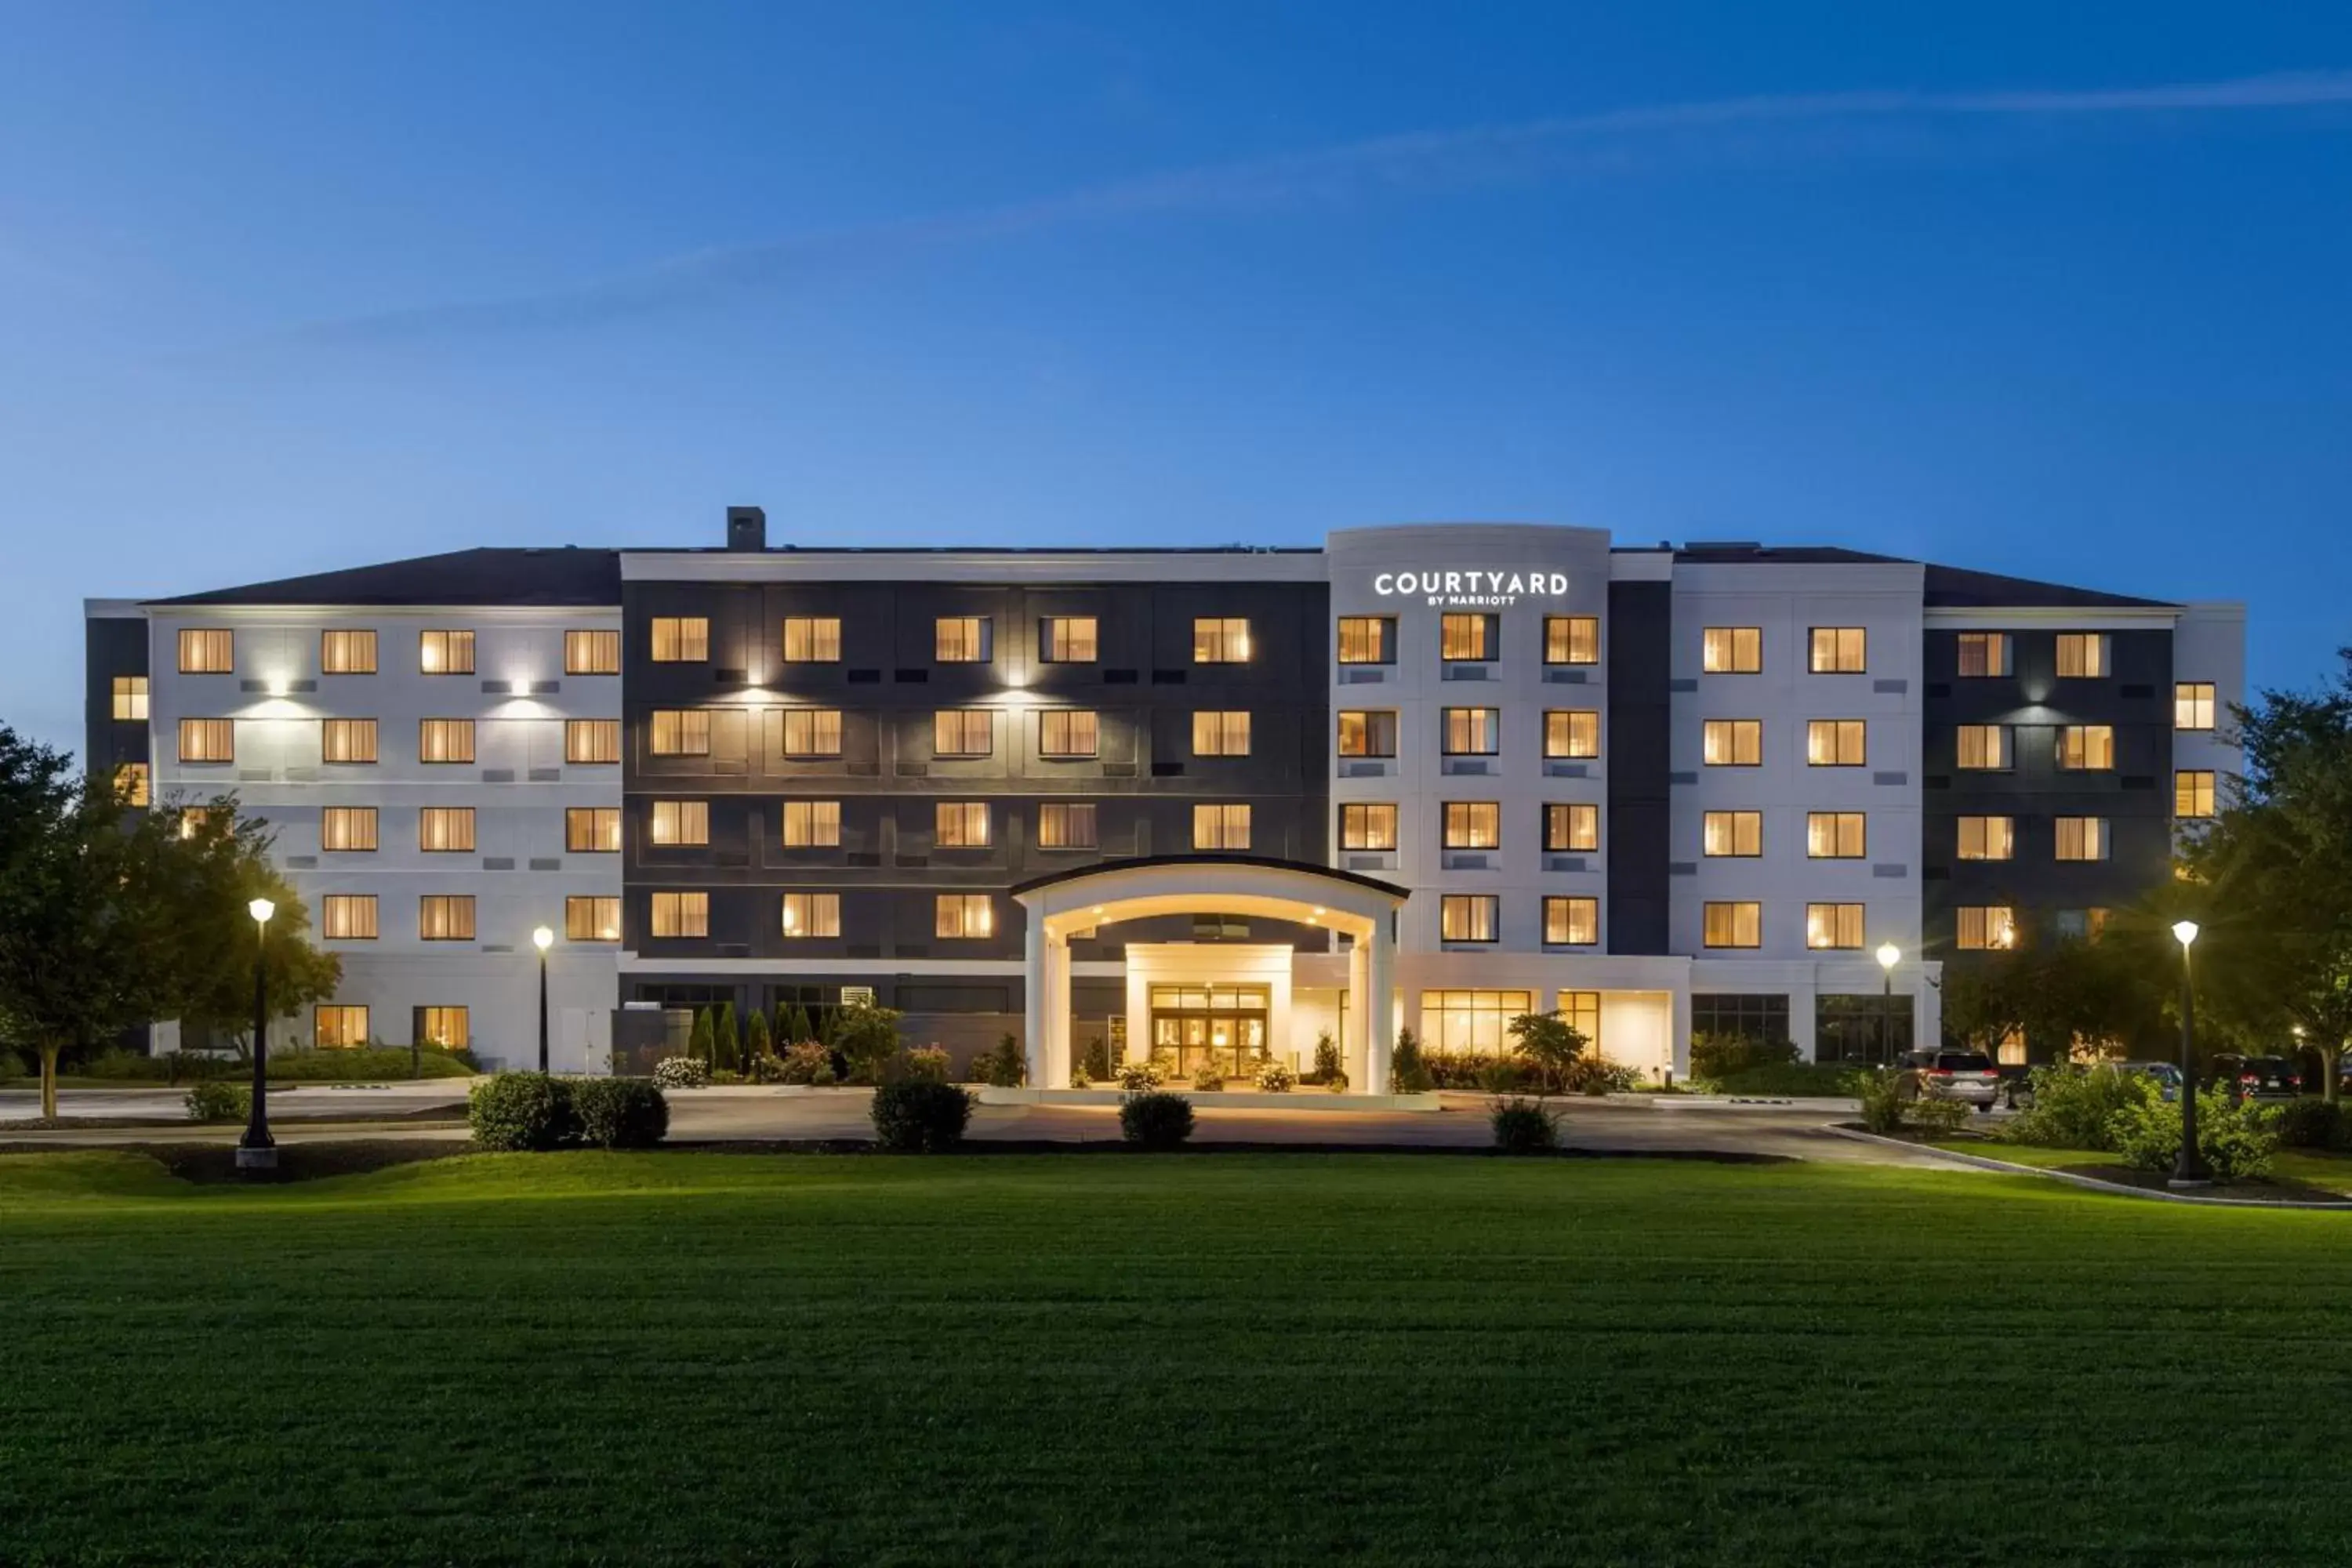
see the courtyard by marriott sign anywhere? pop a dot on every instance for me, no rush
(1471, 589)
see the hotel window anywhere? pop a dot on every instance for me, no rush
(1366, 639)
(2192, 705)
(812, 731)
(960, 639)
(1221, 827)
(599, 740)
(1369, 827)
(1572, 827)
(1833, 925)
(444, 653)
(681, 639)
(812, 915)
(347, 740)
(1731, 650)
(1474, 824)
(1571, 639)
(337, 1026)
(347, 653)
(1835, 835)
(2192, 794)
(444, 741)
(592, 653)
(1838, 650)
(1220, 640)
(960, 824)
(445, 917)
(1220, 734)
(1983, 654)
(2082, 656)
(593, 829)
(592, 918)
(1732, 925)
(1583, 1011)
(1572, 733)
(1835, 743)
(963, 915)
(445, 1028)
(1069, 732)
(812, 824)
(347, 829)
(348, 917)
(1732, 743)
(680, 732)
(1988, 838)
(2080, 925)
(1466, 638)
(1472, 732)
(131, 784)
(1467, 917)
(1067, 639)
(681, 914)
(1982, 747)
(193, 819)
(1471, 1020)
(1735, 833)
(676, 824)
(207, 652)
(1988, 927)
(812, 640)
(1571, 921)
(2084, 747)
(207, 740)
(1368, 734)
(2083, 839)
(1065, 825)
(130, 697)
(964, 732)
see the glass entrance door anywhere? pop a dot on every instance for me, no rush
(1194, 1025)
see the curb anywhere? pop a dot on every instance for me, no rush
(2075, 1178)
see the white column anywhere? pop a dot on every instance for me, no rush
(1380, 1008)
(1058, 1013)
(1355, 1049)
(1033, 995)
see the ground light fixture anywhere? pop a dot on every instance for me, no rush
(257, 1151)
(2189, 1169)
(543, 938)
(1888, 956)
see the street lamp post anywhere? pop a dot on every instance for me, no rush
(1889, 955)
(543, 938)
(257, 1151)
(2189, 1170)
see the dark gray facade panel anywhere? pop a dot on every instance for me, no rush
(1641, 637)
(112, 646)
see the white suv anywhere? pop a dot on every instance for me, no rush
(1951, 1075)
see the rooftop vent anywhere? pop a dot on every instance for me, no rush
(747, 528)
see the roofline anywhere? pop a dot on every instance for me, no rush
(1258, 862)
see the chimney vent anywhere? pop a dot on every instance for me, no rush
(747, 528)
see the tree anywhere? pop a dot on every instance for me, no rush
(756, 1040)
(1550, 1042)
(867, 1037)
(697, 1042)
(2113, 990)
(727, 1037)
(797, 1029)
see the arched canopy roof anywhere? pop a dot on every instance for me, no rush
(1259, 885)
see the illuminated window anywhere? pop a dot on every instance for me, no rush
(2192, 705)
(1988, 927)
(812, 640)
(1221, 733)
(592, 653)
(811, 914)
(681, 639)
(2192, 794)
(812, 824)
(1366, 639)
(348, 917)
(1371, 826)
(1572, 827)
(2083, 839)
(1466, 638)
(1472, 732)
(193, 819)
(1220, 640)
(1837, 650)
(1474, 824)
(1571, 639)
(812, 731)
(1731, 650)
(677, 823)
(444, 741)
(599, 740)
(347, 829)
(1732, 834)
(445, 917)
(960, 824)
(1983, 654)
(1571, 921)
(207, 740)
(1583, 1011)
(1069, 732)
(1988, 838)
(592, 918)
(445, 1028)
(1221, 827)
(1467, 917)
(1834, 835)
(338, 1027)
(1732, 742)
(347, 740)
(681, 914)
(677, 732)
(960, 639)
(1835, 743)
(347, 653)
(964, 732)
(1732, 924)
(1983, 747)
(1833, 925)
(1066, 640)
(596, 829)
(212, 652)
(131, 784)
(2080, 925)
(1066, 824)
(1572, 733)
(130, 697)
(963, 915)
(1368, 734)
(2086, 747)
(1462, 1021)
(2082, 656)
(444, 653)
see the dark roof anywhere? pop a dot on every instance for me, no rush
(1953, 587)
(569, 575)
(1700, 553)
(1137, 862)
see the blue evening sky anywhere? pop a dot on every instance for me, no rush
(2052, 290)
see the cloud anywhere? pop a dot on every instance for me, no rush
(1414, 162)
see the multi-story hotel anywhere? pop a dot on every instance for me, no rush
(1211, 801)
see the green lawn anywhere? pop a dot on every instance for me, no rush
(2317, 1168)
(682, 1358)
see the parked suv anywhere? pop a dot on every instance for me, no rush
(2257, 1078)
(1951, 1075)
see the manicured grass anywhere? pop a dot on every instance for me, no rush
(670, 1358)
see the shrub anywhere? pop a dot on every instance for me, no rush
(1599, 1075)
(1209, 1076)
(521, 1111)
(698, 1039)
(12, 1066)
(1140, 1078)
(1098, 1059)
(918, 1116)
(2237, 1137)
(1005, 1068)
(1548, 1048)
(725, 1078)
(2077, 1110)
(1722, 1056)
(1079, 1077)
(726, 1040)
(923, 1064)
(619, 1112)
(1523, 1127)
(1507, 1075)
(1883, 1102)
(867, 1037)
(215, 1101)
(682, 1072)
(1937, 1116)
(1407, 1072)
(1455, 1070)
(804, 1063)
(2312, 1124)
(1274, 1076)
(767, 1068)
(757, 1041)
(1155, 1121)
(1828, 1079)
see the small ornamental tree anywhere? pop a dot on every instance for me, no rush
(726, 1039)
(1327, 1065)
(1408, 1072)
(1550, 1042)
(795, 1025)
(867, 1037)
(698, 1043)
(756, 1041)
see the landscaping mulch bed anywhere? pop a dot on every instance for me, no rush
(205, 1164)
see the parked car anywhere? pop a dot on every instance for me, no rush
(2017, 1090)
(2167, 1076)
(2257, 1078)
(1966, 1076)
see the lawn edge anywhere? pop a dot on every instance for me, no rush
(2007, 1167)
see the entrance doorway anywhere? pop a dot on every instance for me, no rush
(1198, 1026)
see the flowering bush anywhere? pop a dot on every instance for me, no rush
(923, 1064)
(682, 1072)
(1276, 1078)
(807, 1063)
(1140, 1077)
